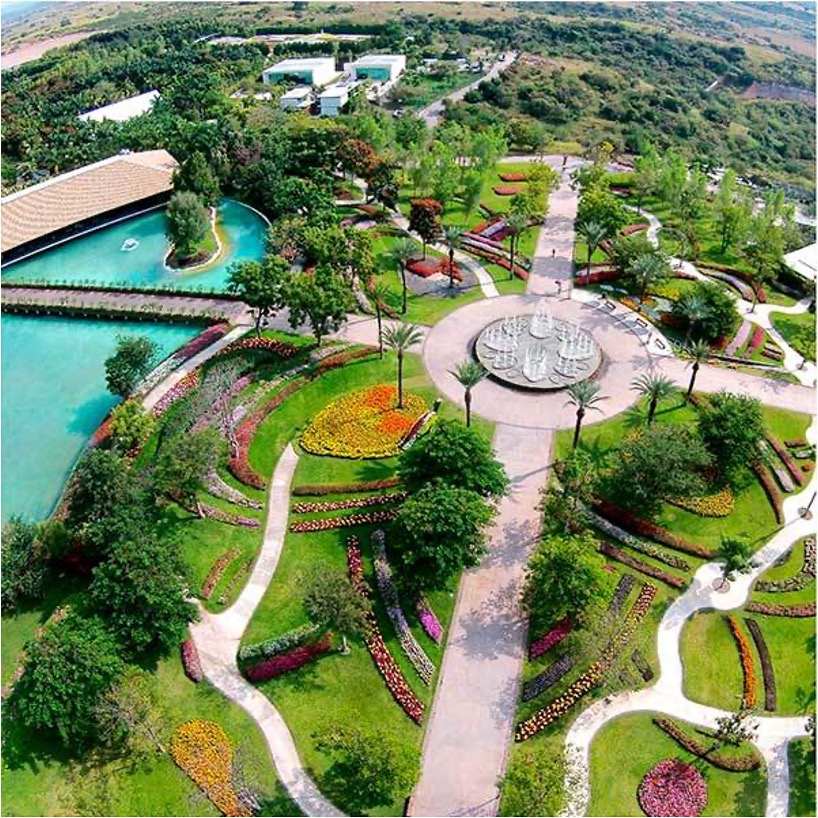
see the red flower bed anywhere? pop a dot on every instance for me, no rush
(761, 295)
(102, 434)
(185, 385)
(316, 490)
(338, 505)
(280, 348)
(733, 764)
(750, 695)
(755, 340)
(547, 641)
(775, 609)
(200, 342)
(786, 459)
(643, 567)
(342, 358)
(216, 572)
(596, 277)
(430, 266)
(330, 523)
(672, 788)
(513, 177)
(645, 528)
(484, 225)
(634, 228)
(507, 190)
(770, 489)
(191, 662)
(500, 261)
(292, 660)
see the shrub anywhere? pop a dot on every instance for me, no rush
(774, 609)
(286, 662)
(735, 764)
(278, 644)
(770, 489)
(643, 567)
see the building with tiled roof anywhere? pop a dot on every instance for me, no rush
(67, 204)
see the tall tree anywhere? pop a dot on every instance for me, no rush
(737, 555)
(379, 293)
(763, 251)
(321, 298)
(400, 338)
(468, 374)
(593, 234)
(647, 270)
(25, 563)
(655, 388)
(732, 209)
(423, 220)
(188, 223)
(515, 224)
(331, 600)
(452, 238)
(194, 175)
(584, 396)
(260, 285)
(403, 251)
(699, 353)
(731, 426)
(131, 425)
(134, 357)
(185, 462)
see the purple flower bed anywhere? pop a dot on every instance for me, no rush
(224, 399)
(549, 677)
(190, 661)
(622, 592)
(286, 662)
(212, 513)
(673, 788)
(429, 622)
(548, 640)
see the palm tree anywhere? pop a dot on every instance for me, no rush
(584, 395)
(699, 353)
(515, 224)
(402, 252)
(655, 387)
(469, 373)
(379, 293)
(647, 269)
(400, 337)
(693, 308)
(593, 234)
(452, 235)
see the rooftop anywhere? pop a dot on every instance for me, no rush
(379, 59)
(83, 194)
(124, 109)
(804, 262)
(302, 64)
(299, 92)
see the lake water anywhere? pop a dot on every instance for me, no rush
(54, 397)
(99, 257)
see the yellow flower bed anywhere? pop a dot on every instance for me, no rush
(203, 750)
(719, 504)
(366, 423)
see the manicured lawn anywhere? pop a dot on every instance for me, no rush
(802, 777)
(628, 747)
(798, 331)
(430, 88)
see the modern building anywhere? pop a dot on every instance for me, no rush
(68, 204)
(804, 262)
(377, 67)
(334, 98)
(300, 98)
(123, 110)
(319, 71)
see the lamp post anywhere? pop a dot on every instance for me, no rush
(805, 511)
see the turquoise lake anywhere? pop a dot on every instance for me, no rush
(54, 397)
(99, 257)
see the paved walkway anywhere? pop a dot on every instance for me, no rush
(472, 717)
(217, 638)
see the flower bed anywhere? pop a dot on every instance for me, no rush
(243, 570)
(774, 609)
(200, 342)
(796, 582)
(645, 528)
(289, 661)
(217, 571)
(719, 504)
(483, 226)
(772, 462)
(739, 339)
(384, 662)
(596, 277)
(507, 190)
(770, 489)
(750, 694)
(672, 787)
(363, 424)
(190, 661)
(338, 359)
(786, 459)
(429, 622)
(630, 229)
(513, 177)
(734, 764)
(422, 424)
(643, 567)
(433, 266)
(642, 665)
(183, 388)
(622, 592)
(389, 593)
(767, 672)
(338, 505)
(276, 645)
(281, 349)
(501, 261)
(219, 488)
(203, 750)
(331, 523)
(550, 639)
(755, 340)
(221, 404)
(319, 489)
(548, 678)
(213, 513)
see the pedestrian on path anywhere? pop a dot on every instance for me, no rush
(553, 252)
(559, 288)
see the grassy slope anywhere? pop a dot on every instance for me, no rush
(798, 331)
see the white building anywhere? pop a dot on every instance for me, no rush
(377, 67)
(299, 98)
(123, 110)
(804, 262)
(319, 71)
(334, 98)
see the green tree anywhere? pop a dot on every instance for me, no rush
(699, 352)
(645, 173)
(423, 219)
(131, 425)
(25, 563)
(731, 427)
(188, 223)
(737, 555)
(659, 463)
(577, 479)
(403, 251)
(321, 298)
(379, 293)
(260, 285)
(468, 374)
(735, 729)
(515, 224)
(141, 591)
(584, 396)
(763, 251)
(647, 270)
(732, 209)
(597, 204)
(67, 669)
(401, 338)
(331, 600)
(452, 238)
(593, 234)
(709, 311)
(533, 785)
(370, 766)
(438, 531)
(194, 175)
(134, 357)
(455, 455)
(184, 464)
(565, 577)
(655, 388)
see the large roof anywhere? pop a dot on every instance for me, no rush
(305, 64)
(123, 110)
(83, 194)
(376, 60)
(804, 261)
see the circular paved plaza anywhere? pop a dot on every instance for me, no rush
(452, 340)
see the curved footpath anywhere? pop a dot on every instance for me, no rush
(217, 638)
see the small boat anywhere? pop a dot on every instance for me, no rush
(129, 244)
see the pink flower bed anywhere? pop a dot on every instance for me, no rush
(429, 622)
(755, 341)
(484, 225)
(280, 348)
(513, 177)
(786, 459)
(542, 645)
(191, 662)
(292, 660)
(185, 386)
(200, 342)
(213, 513)
(507, 190)
(673, 788)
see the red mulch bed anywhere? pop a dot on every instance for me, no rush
(510, 190)
(430, 266)
(514, 177)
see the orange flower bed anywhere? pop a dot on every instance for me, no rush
(750, 695)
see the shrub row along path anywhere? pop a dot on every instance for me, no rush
(667, 696)
(217, 638)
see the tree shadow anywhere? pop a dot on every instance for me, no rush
(751, 796)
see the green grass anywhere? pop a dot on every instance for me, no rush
(581, 254)
(801, 754)
(629, 746)
(798, 331)
(432, 88)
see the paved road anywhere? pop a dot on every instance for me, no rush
(433, 113)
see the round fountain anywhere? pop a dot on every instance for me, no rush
(537, 351)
